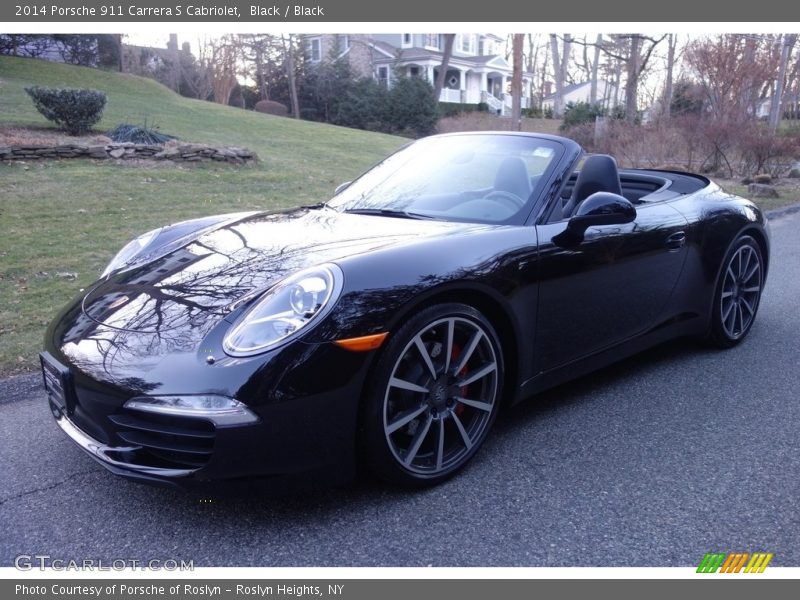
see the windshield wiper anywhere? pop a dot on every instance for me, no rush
(388, 212)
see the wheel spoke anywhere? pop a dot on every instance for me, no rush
(730, 315)
(748, 306)
(419, 437)
(485, 406)
(466, 354)
(751, 290)
(749, 275)
(478, 374)
(426, 357)
(727, 294)
(727, 311)
(462, 431)
(451, 326)
(740, 317)
(730, 273)
(407, 385)
(405, 418)
(440, 451)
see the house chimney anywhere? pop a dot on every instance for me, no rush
(547, 88)
(172, 44)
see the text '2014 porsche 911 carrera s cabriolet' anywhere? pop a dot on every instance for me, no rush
(386, 326)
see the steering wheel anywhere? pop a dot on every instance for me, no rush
(507, 198)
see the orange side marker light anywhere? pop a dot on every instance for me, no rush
(364, 343)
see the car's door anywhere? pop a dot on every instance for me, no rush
(611, 287)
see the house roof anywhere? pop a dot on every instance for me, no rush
(568, 89)
(574, 87)
(410, 55)
(385, 48)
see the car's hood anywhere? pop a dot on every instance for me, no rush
(195, 285)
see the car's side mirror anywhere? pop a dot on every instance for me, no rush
(601, 208)
(341, 187)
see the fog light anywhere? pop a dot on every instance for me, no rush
(220, 410)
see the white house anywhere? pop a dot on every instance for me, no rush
(477, 72)
(607, 94)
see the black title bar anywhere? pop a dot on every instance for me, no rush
(363, 11)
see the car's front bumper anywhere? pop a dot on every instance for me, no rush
(309, 433)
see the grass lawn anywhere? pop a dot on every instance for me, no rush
(61, 221)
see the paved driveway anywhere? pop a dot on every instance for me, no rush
(656, 461)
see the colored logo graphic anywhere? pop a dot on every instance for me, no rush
(735, 562)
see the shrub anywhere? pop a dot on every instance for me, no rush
(76, 110)
(762, 178)
(412, 107)
(365, 107)
(533, 113)
(271, 107)
(451, 109)
(577, 113)
(139, 134)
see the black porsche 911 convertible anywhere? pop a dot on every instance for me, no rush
(386, 326)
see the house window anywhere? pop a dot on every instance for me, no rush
(407, 40)
(315, 49)
(383, 76)
(413, 71)
(467, 44)
(344, 42)
(431, 40)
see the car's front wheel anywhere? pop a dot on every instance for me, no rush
(434, 395)
(738, 293)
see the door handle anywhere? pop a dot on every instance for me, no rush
(676, 241)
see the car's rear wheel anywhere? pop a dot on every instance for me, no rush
(738, 293)
(434, 395)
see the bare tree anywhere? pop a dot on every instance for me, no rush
(220, 60)
(672, 42)
(449, 39)
(560, 68)
(776, 109)
(516, 81)
(289, 50)
(595, 67)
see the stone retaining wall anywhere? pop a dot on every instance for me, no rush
(174, 152)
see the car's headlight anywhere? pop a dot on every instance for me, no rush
(129, 251)
(287, 309)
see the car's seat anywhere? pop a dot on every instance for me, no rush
(599, 174)
(512, 177)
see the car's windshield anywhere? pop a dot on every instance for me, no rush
(485, 178)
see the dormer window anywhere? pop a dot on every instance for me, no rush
(431, 40)
(408, 40)
(467, 43)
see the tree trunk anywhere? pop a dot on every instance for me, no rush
(789, 40)
(449, 39)
(516, 81)
(595, 67)
(672, 42)
(632, 79)
(290, 74)
(560, 63)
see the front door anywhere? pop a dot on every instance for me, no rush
(611, 287)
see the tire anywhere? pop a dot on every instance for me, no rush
(738, 293)
(426, 411)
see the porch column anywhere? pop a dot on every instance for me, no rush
(429, 74)
(484, 82)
